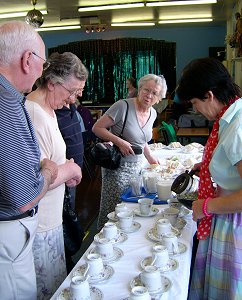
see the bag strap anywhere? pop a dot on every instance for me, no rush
(125, 119)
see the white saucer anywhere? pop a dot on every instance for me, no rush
(96, 294)
(170, 266)
(120, 238)
(137, 282)
(185, 212)
(152, 234)
(118, 253)
(182, 248)
(112, 216)
(135, 226)
(105, 275)
(154, 211)
(180, 223)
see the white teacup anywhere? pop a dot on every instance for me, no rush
(95, 264)
(160, 256)
(162, 226)
(170, 241)
(120, 207)
(105, 248)
(110, 230)
(139, 293)
(171, 214)
(145, 206)
(79, 288)
(151, 278)
(164, 189)
(125, 219)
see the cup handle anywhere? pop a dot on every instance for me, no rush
(85, 272)
(153, 261)
(175, 248)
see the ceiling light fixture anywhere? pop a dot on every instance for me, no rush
(175, 3)
(34, 17)
(18, 14)
(185, 21)
(108, 7)
(54, 28)
(133, 24)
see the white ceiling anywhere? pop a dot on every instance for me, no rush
(63, 12)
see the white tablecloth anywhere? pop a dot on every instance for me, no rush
(135, 249)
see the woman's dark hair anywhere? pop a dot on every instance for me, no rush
(203, 75)
(132, 81)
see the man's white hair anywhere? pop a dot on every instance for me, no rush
(15, 38)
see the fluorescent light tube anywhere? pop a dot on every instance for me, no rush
(54, 28)
(175, 3)
(185, 21)
(107, 7)
(18, 14)
(133, 24)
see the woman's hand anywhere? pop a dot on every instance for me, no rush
(197, 207)
(197, 168)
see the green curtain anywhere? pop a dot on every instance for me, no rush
(111, 62)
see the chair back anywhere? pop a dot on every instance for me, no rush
(168, 132)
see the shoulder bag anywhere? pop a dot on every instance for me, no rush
(106, 155)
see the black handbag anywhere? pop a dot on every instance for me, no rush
(72, 229)
(106, 155)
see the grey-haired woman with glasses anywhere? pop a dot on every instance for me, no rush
(63, 79)
(137, 133)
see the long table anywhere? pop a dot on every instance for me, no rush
(135, 249)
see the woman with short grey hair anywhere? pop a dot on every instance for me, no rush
(134, 143)
(61, 83)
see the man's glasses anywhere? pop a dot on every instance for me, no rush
(46, 63)
(73, 94)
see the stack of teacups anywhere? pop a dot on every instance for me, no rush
(125, 219)
(163, 226)
(145, 206)
(79, 288)
(139, 293)
(110, 231)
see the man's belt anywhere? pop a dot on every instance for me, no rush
(28, 213)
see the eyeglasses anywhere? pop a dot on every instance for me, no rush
(73, 94)
(46, 63)
(152, 93)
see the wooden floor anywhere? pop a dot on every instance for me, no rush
(88, 196)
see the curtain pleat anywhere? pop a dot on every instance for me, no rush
(111, 62)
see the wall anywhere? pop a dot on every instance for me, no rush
(192, 42)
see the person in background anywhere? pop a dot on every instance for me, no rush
(24, 180)
(62, 81)
(207, 84)
(137, 132)
(131, 86)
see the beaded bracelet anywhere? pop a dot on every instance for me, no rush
(205, 212)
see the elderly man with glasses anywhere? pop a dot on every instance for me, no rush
(23, 179)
